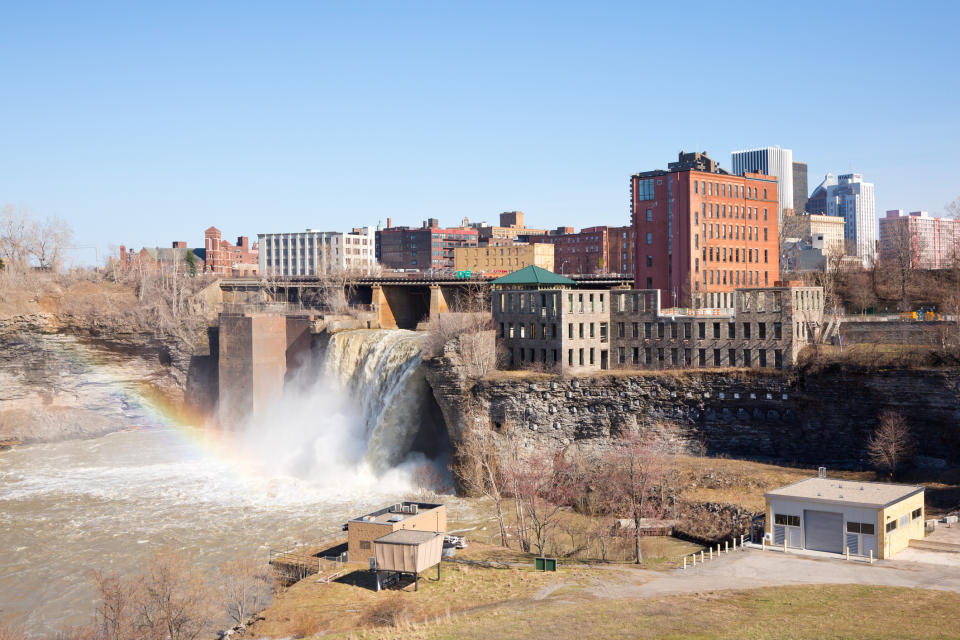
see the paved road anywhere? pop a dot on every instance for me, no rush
(750, 569)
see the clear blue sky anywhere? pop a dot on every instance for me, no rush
(142, 123)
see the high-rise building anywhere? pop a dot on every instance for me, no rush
(928, 243)
(817, 203)
(701, 232)
(852, 198)
(311, 252)
(772, 161)
(800, 187)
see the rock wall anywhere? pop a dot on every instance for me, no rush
(62, 380)
(822, 419)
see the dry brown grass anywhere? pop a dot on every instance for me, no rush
(819, 611)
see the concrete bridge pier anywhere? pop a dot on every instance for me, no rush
(257, 350)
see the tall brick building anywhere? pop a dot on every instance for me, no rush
(701, 232)
(592, 250)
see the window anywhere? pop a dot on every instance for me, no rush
(778, 358)
(790, 521)
(746, 358)
(660, 356)
(746, 330)
(916, 514)
(364, 544)
(762, 330)
(620, 331)
(732, 354)
(622, 354)
(649, 238)
(581, 331)
(716, 357)
(649, 215)
(570, 357)
(702, 357)
(701, 330)
(636, 355)
(647, 329)
(891, 526)
(777, 331)
(904, 520)
(660, 329)
(674, 330)
(645, 189)
(763, 358)
(647, 355)
(581, 357)
(636, 329)
(570, 331)
(649, 261)
(687, 330)
(716, 330)
(732, 330)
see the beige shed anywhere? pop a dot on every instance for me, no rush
(408, 551)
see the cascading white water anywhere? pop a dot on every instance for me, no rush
(352, 419)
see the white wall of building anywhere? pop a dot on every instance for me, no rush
(772, 161)
(796, 507)
(311, 252)
(853, 200)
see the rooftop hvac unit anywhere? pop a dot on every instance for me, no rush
(413, 509)
(821, 472)
(395, 519)
(397, 508)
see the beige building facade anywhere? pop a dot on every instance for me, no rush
(819, 231)
(418, 516)
(872, 519)
(500, 260)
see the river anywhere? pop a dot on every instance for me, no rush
(339, 443)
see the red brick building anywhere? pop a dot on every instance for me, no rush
(701, 232)
(592, 250)
(224, 259)
(429, 247)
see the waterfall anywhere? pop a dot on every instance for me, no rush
(353, 417)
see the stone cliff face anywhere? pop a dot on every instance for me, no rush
(61, 378)
(823, 419)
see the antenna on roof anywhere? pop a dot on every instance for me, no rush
(821, 472)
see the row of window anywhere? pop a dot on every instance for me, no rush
(723, 189)
(733, 277)
(904, 520)
(720, 254)
(674, 356)
(686, 328)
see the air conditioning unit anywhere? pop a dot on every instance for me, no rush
(414, 509)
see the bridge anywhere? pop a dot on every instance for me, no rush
(398, 300)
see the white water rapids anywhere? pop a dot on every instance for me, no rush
(336, 444)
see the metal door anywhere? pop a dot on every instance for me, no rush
(823, 530)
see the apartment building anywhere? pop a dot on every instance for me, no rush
(593, 250)
(702, 232)
(428, 247)
(919, 240)
(497, 260)
(312, 252)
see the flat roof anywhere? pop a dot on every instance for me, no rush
(846, 492)
(408, 536)
(385, 514)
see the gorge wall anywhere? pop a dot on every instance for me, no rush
(822, 419)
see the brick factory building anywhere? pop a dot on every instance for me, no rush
(225, 259)
(423, 249)
(592, 250)
(701, 232)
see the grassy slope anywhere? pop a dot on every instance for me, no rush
(834, 611)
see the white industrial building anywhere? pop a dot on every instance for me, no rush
(311, 252)
(827, 514)
(772, 161)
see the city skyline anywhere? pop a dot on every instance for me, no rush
(144, 126)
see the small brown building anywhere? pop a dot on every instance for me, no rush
(419, 516)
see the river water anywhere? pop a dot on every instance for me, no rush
(69, 508)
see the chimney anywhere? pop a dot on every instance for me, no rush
(389, 223)
(179, 244)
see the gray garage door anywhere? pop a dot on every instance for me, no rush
(823, 530)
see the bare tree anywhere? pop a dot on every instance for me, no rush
(175, 602)
(891, 444)
(546, 484)
(11, 632)
(246, 586)
(952, 209)
(16, 237)
(51, 238)
(479, 470)
(635, 470)
(114, 616)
